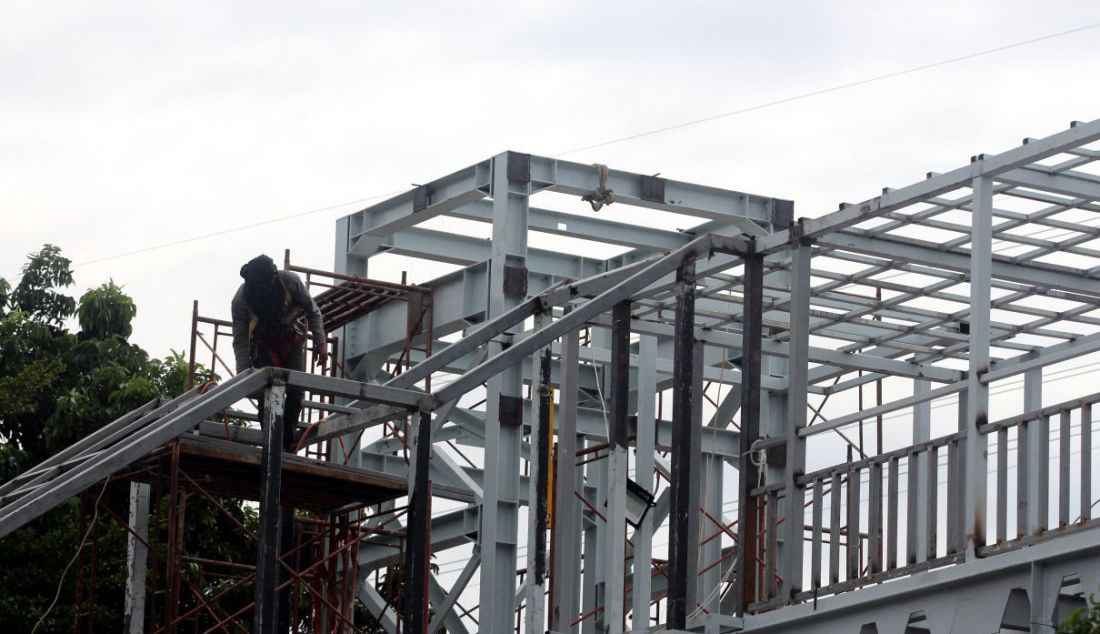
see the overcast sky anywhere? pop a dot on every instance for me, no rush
(124, 125)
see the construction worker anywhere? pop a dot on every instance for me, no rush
(270, 313)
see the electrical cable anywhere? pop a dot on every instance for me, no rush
(79, 549)
(639, 135)
(822, 91)
(222, 232)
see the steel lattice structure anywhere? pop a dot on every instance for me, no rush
(937, 291)
(723, 368)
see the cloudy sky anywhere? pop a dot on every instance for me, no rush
(128, 125)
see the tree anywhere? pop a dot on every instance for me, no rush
(1085, 620)
(57, 386)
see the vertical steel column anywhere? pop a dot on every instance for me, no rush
(136, 556)
(1033, 434)
(595, 474)
(564, 603)
(593, 588)
(918, 478)
(535, 614)
(503, 411)
(748, 508)
(793, 512)
(977, 408)
(268, 533)
(687, 389)
(618, 465)
(418, 545)
(642, 587)
(353, 345)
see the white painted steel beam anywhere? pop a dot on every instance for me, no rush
(892, 248)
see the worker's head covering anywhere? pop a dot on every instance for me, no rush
(259, 272)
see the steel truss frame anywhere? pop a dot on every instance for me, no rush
(936, 284)
(741, 343)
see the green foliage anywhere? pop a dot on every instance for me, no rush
(106, 312)
(44, 272)
(56, 387)
(1084, 620)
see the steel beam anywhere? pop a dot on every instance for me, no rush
(450, 248)
(576, 318)
(1041, 276)
(1050, 355)
(367, 227)
(444, 603)
(129, 449)
(894, 199)
(586, 228)
(579, 179)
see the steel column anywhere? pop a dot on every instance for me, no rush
(418, 546)
(1032, 437)
(793, 512)
(535, 615)
(686, 440)
(618, 465)
(564, 598)
(268, 533)
(136, 556)
(977, 392)
(748, 507)
(643, 475)
(503, 412)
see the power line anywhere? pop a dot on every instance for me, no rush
(815, 93)
(221, 232)
(639, 135)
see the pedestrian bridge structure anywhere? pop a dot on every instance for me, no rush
(646, 404)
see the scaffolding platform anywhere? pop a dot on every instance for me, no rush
(232, 469)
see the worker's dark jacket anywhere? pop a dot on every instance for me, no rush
(297, 303)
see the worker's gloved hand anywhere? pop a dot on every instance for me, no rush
(320, 356)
